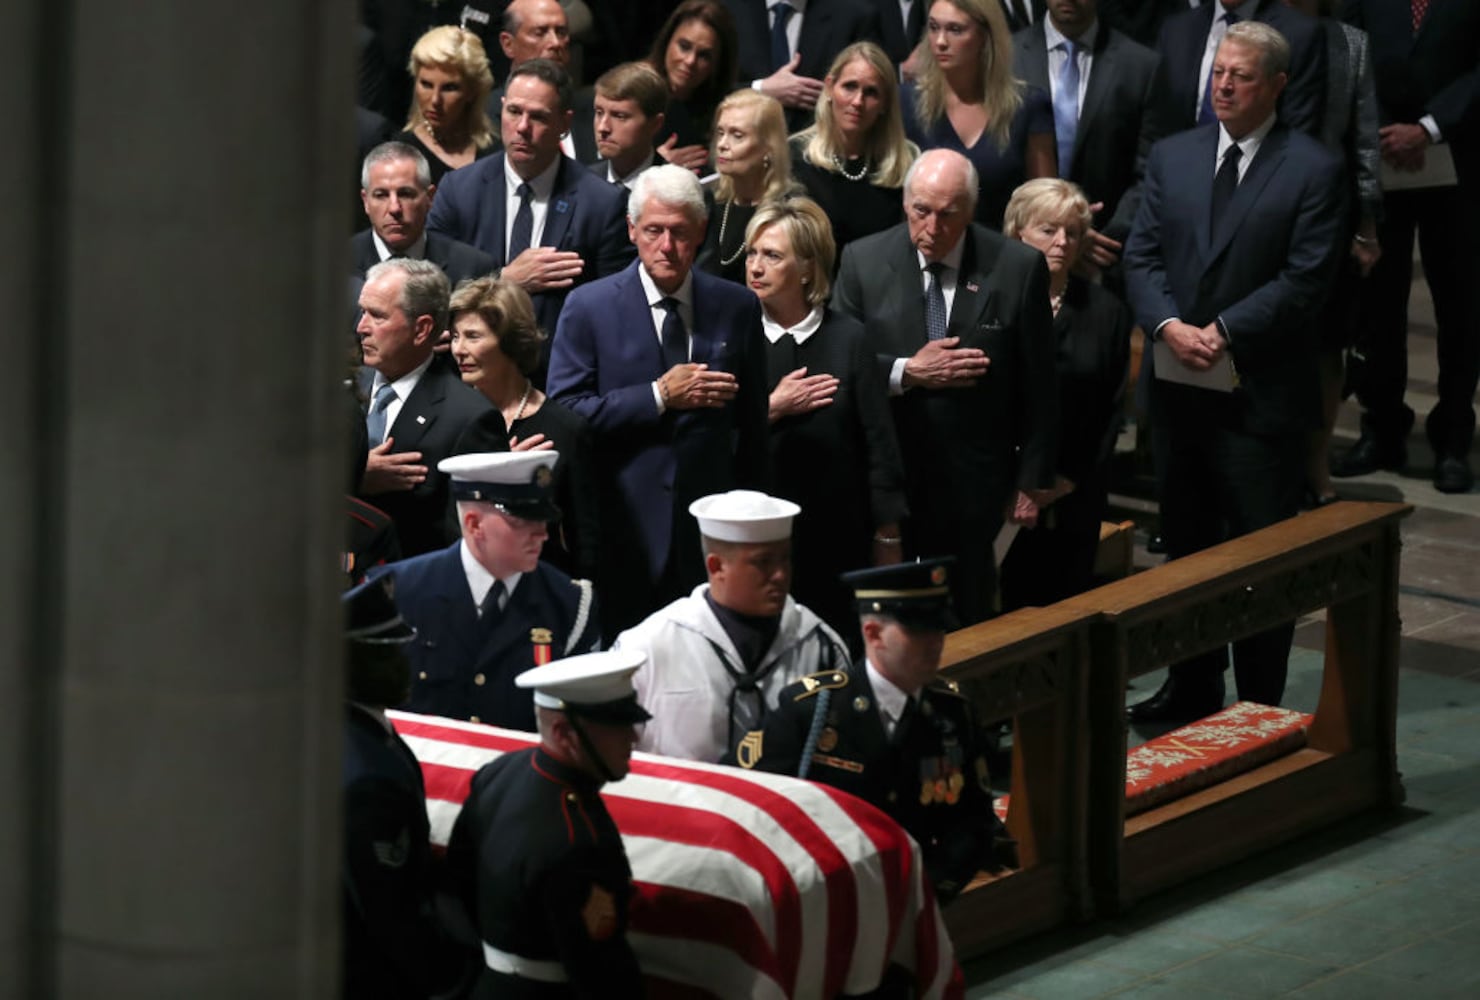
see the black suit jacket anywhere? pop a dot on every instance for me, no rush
(1181, 44)
(1113, 136)
(898, 37)
(458, 260)
(430, 421)
(1016, 22)
(1433, 72)
(585, 214)
(1140, 19)
(1264, 272)
(828, 27)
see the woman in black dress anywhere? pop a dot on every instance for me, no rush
(1053, 555)
(695, 53)
(450, 84)
(852, 161)
(496, 344)
(832, 440)
(754, 165)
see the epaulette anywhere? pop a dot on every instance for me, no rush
(828, 680)
(944, 685)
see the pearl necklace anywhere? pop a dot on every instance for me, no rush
(841, 164)
(523, 402)
(724, 221)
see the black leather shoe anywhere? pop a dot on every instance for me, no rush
(1368, 455)
(1453, 475)
(1177, 703)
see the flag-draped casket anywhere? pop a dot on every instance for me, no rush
(747, 884)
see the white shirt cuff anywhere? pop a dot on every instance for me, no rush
(1432, 128)
(658, 398)
(896, 377)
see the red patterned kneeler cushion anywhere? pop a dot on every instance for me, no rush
(1240, 738)
(1237, 739)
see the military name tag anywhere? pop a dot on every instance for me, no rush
(838, 762)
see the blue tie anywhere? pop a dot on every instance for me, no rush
(935, 303)
(1066, 108)
(522, 234)
(1205, 113)
(780, 50)
(375, 419)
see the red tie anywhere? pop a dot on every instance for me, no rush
(1420, 8)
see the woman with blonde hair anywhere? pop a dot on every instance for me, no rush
(832, 440)
(450, 82)
(853, 159)
(754, 165)
(496, 346)
(1054, 558)
(966, 98)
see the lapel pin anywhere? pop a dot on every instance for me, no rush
(421, 420)
(973, 287)
(562, 206)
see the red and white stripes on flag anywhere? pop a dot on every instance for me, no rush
(747, 884)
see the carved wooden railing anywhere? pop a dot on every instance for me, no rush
(1061, 673)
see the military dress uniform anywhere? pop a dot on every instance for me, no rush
(930, 776)
(536, 858)
(465, 658)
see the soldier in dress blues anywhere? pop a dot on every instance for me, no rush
(892, 732)
(486, 609)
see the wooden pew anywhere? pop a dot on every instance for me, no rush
(1061, 674)
(1030, 666)
(1343, 558)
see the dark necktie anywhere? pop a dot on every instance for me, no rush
(493, 601)
(675, 337)
(1420, 8)
(915, 23)
(780, 49)
(522, 235)
(1225, 184)
(1066, 107)
(935, 303)
(1205, 113)
(375, 419)
(1023, 10)
(903, 725)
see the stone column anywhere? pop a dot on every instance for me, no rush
(174, 467)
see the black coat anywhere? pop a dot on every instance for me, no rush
(544, 874)
(429, 422)
(931, 777)
(840, 463)
(964, 449)
(1113, 135)
(393, 945)
(458, 260)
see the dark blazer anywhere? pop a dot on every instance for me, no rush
(840, 463)
(1140, 19)
(463, 666)
(1112, 138)
(1181, 44)
(964, 449)
(458, 260)
(1015, 22)
(429, 422)
(828, 27)
(586, 215)
(1434, 72)
(604, 361)
(931, 777)
(393, 946)
(898, 37)
(1265, 272)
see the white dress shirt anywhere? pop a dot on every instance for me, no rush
(800, 333)
(416, 251)
(1083, 55)
(402, 388)
(685, 296)
(793, 27)
(480, 581)
(890, 699)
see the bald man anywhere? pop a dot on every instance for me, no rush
(958, 316)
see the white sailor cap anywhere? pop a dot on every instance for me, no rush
(744, 516)
(596, 686)
(516, 482)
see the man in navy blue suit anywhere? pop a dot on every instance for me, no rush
(668, 367)
(548, 221)
(486, 609)
(1230, 257)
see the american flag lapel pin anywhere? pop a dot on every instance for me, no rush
(972, 287)
(421, 419)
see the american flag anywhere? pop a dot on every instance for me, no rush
(747, 884)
